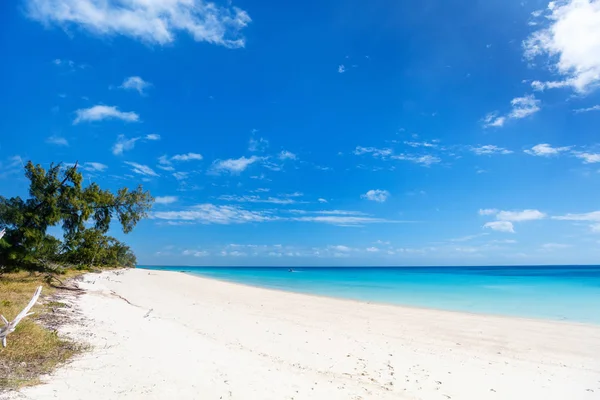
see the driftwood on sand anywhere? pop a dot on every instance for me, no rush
(10, 327)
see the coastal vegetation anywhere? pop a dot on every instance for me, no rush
(31, 257)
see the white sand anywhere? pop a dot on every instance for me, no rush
(206, 339)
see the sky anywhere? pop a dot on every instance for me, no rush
(331, 132)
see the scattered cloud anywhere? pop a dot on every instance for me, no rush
(377, 195)
(588, 109)
(504, 219)
(518, 216)
(93, 167)
(545, 150)
(588, 158)
(500, 226)
(372, 249)
(593, 216)
(570, 42)
(524, 106)
(195, 253)
(258, 145)
(180, 176)
(420, 144)
(141, 169)
(234, 166)
(373, 151)
(341, 69)
(555, 246)
(151, 22)
(488, 211)
(214, 214)
(521, 107)
(258, 199)
(152, 136)
(135, 83)
(57, 140)
(218, 214)
(187, 157)
(489, 149)
(425, 160)
(165, 199)
(493, 120)
(101, 112)
(321, 200)
(123, 144)
(287, 155)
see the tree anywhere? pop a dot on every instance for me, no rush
(57, 197)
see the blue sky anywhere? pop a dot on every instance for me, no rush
(319, 133)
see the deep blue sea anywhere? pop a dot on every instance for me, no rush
(567, 292)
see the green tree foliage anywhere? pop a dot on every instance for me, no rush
(57, 197)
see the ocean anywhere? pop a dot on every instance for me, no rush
(570, 293)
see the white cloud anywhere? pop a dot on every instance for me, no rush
(152, 136)
(420, 144)
(341, 248)
(493, 120)
(372, 249)
(571, 41)
(135, 83)
(123, 144)
(425, 160)
(141, 169)
(545, 150)
(321, 200)
(57, 140)
(180, 176)
(518, 216)
(593, 216)
(93, 167)
(524, 106)
(377, 195)
(259, 144)
(555, 246)
(217, 214)
(287, 155)
(588, 158)
(341, 69)
(150, 21)
(500, 226)
(541, 86)
(213, 214)
(187, 157)
(195, 253)
(588, 109)
(234, 166)
(165, 167)
(165, 199)
(489, 149)
(257, 199)
(101, 112)
(521, 108)
(372, 150)
(504, 219)
(488, 211)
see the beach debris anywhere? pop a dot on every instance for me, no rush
(9, 327)
(148, 313)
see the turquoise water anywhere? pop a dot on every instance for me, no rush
(558, 292)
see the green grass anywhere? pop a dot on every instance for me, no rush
(33, 350)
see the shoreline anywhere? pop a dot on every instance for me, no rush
(160, 334)
(410, 306)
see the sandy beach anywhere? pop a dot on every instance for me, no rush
(167, 335)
